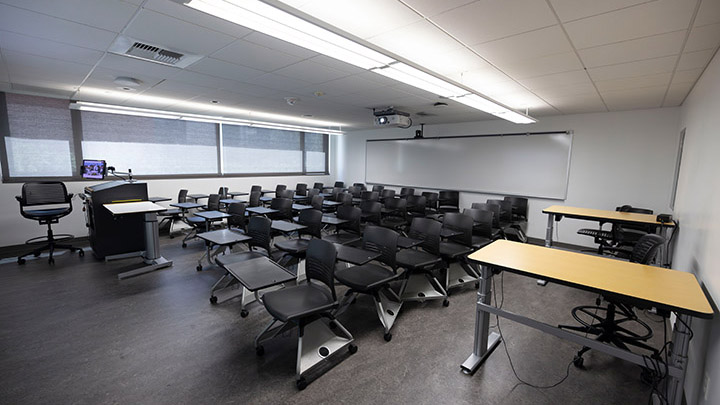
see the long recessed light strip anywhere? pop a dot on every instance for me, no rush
(145, 112)
(272, 21)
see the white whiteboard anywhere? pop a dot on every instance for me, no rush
(534, 165)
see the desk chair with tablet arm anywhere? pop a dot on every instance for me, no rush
(238, 219)
(420, 282)
(394, 216)
(370, 212)
(609, 328)
(431, 201)
(349, 232)
(309, 306)
(199, 224)
(294, 249)
(455, 250)
(449, 201)
(374, 279)
(497, 232)
(173, 214)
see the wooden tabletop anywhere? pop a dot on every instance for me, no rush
(604, 215)
(664, 288)
(134, 207)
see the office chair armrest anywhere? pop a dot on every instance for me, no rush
(69, 197)
(19, 198)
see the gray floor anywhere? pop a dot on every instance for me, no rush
(74, 333)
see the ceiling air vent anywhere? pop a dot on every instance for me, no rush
(126, 46)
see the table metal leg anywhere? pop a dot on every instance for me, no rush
(484, 342)
(548, 240)
(678, 359)
(152, 257)
(665, 248)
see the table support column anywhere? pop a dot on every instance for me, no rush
(484, 342)
(679, 359)
(152, 244)
(549, 231)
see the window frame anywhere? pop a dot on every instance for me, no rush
(76, 123)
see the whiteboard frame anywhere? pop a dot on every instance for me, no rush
(567, 170)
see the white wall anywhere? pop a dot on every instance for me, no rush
(16, 229)
(698, 210)
(617, 158)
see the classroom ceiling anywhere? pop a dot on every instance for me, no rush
(548, 57)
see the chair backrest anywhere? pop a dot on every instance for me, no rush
(417, 204)
(378, 188)
(361, 186)
(482, 221)
(505, 211)
(495, 209)
(372, 208)
(284, 207)
(387, 194)
(646, 248)
(313, 192)
(428, 231)
(335, 191)
(318, 186)
(182, 196)
(354, 191)
(238, 218)
(301, 189)
(637, 227)
(449, 198)
(256, 188)
(254, 199)
(312, 219)
(320, 260)
(223, 192)
(397, 205)
(285, 194)
(519, 206)
(279, 188)
(213, 203)
(369, 195)
(259, 231)
(317, 202)
(431, 199)
(344, 198)
(407, 191)
(340, 184)
(352, 215)
(383, 241)
(43, 193)
(456, 221)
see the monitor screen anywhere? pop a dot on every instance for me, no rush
(93, 169)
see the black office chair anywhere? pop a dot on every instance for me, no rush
(354, 191)
(455, 250)
(431, 201)
(378, 188)
(348, 232)
(610, 328)
(361, 186)
(395, 214)
(284, 209)
(173, 214)
(285, 194)
(369, 196)
(519, 208)
(618, 235)
(344, 198)
(254, 199)
(58, 202)
(406, 191)
(370, 212)
(510, 229)
(374, 279)
(306, 306)
(197, 223)
(223, 192)
(213, 203)
(420, 282)
(301, 193)
(482, 233)
(497, 232)
(448, 201)
(317, 202)
(318, 186)
(387, 194)
(238, 219)
(417, 206)
(339, 184)
(294, 249)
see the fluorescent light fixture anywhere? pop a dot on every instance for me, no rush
(269, 20)
(145, 112)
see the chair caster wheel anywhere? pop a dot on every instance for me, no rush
(446, 303)
(213, 300)
(477, 285)
(21, 261)
(184, 245)
(51, 261)
(578, 361)
(260, 350)
(244, 313)
(352, 348)
(387, 337)
(301, 383)
(199, 267)
(81, 253)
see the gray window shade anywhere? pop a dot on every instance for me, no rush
(150, 146)
(40, 142)
(315, 158)
(261, 150)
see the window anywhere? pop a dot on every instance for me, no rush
(39, 142)
(150, 146)
(315, 153)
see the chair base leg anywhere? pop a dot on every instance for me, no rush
(422, 287)
(388, 309)
(461, 275)
(319, 342)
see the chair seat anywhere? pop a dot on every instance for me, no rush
(293, 246)
(297, 302)
(170, 213)
(225, 260)
(479, 241)
(452, 251)
(365, 278)
(46, 213)
(412, 259)
(342, 238)
(193, 220)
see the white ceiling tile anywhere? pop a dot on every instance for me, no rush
(633, 69)
(159, 29)
(110, 15)
(246, 53)
(480, 78)
(361, 18)
(128, 64)
(647, 97)
(175, 89)
(705, 37)
(181, 12)
(568, 79)
(633, 50)
(279, 45)
(488, 20)
(278, 82)
(676, 94)
(659, 79)
(566, 90)
(343, 86)
(568, 10)
(709, 13)
(38, 25)
(103, 77)
(427, 41)
(231, 98)
(577, 104)
(199, 79)
(429, 8)
(529, 45)
(337, 64)
(50, 49)
(686, 76)
(657, 17)
(43, 72)
(546, 65)
(694, 60)
(225, 70)
(250, 89)
(454, 63)
(311, 72)
(522, 100)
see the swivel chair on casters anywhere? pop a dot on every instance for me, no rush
(55, 195)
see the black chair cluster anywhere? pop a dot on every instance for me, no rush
(620, 239)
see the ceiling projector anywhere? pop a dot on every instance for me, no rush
(392, 118)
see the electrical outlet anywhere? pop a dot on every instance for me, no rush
(706, 386)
